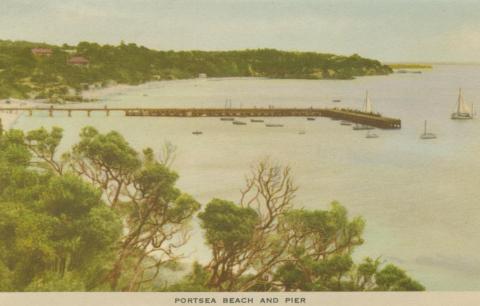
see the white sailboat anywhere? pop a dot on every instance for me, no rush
(367, 108)
(462, 111)
(427, 135)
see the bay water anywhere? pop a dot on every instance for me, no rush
(420, 198)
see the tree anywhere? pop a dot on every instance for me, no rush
(52, 227)
(392, 278)
(269, 192)
(142, 190)
(264, 244)
(229, 231)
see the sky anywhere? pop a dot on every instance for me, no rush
(388, 30)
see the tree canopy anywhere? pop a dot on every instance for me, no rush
(25, 74)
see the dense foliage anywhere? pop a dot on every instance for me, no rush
(105, 217)
(101, 217)
(24, 74)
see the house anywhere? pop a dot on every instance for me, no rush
(78, 60)
(42, 51)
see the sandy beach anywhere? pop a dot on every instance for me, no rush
(112, 90)
(9, 118)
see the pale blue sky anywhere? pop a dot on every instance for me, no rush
(389, 30)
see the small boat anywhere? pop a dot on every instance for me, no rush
(227, 119)
(427, 135)
(336, 100)
(302, 132)
(462, 111)
(371, 135)
(362, 127)
(367, 108)
(273, 125)
(310, 118)
(197, 132)
(256, 120)
(345, 123)
(239, 122)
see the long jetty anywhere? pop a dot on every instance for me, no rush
(354, 116)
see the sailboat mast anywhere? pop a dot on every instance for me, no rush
(425, 128)
(367, 105)
(460, 101)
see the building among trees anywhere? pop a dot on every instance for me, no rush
(78, 60)
(42, 51)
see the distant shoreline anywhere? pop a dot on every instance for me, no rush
(410, 66)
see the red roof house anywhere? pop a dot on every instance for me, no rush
(78, 60)
(42, 51)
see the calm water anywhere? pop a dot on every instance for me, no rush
(420, 198)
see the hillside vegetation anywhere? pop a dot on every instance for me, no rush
(24, 74)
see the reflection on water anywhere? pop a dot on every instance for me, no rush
(420, 198)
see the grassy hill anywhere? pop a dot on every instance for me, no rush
(24, 74)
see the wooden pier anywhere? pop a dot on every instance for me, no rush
(353, 116)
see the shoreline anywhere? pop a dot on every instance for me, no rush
(9, 119)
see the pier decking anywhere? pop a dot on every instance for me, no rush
(353, 116)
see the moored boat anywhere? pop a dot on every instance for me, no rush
(310, 118)
(256, 120)
(367, 108)
(239, 122)
(227, 119)
(362, 127)
(427, 135)
(371, 135)
(197, 132)
(345, 123)
(462, 111)
(273, 125)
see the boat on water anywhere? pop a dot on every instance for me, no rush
(362, 127)
(256, 120)
(227, 119)
(345, 123)
(427, 135)
(302, 132)
(310, 118)
(367, 108)
(239, 122)
(336, 100)
(197, 132)
(273, 125)
(462, 111)
(371, 135)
